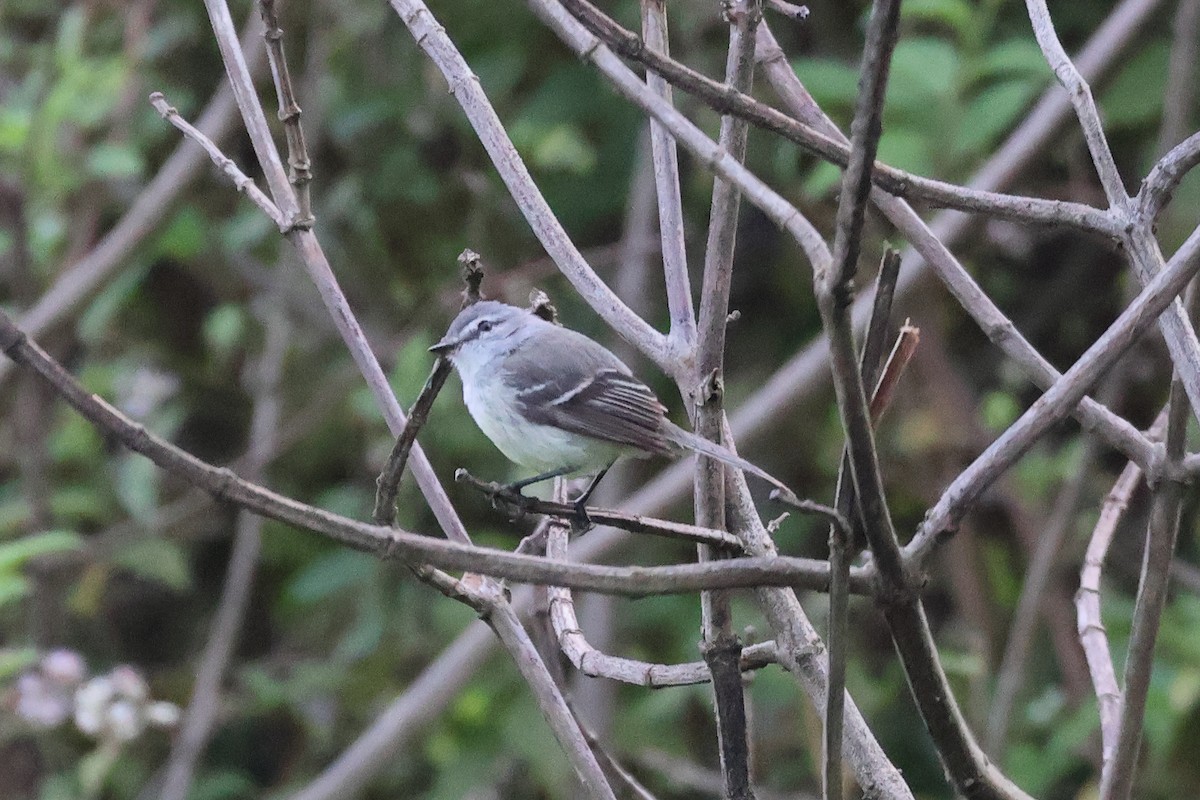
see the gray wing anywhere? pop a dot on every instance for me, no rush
(565, 380)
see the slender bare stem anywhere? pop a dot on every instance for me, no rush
(831, 148)
(299, 165)
(708, 152)
(508, 627)
(596, 664)
(932, 242)
(841, 540)
(252, 112)
(1011, 674)
(721, 647)
(240, 181)
(1092, 636)
(666, 181)
(464, 85)
(1117, 782)
(1060, 398)
(388, 483)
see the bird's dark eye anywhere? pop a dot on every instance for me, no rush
(485, 326)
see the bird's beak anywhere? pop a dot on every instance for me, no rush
(445, 346)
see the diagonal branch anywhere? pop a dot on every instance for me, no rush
(1057, 402)
(819, 141)
(464, 85)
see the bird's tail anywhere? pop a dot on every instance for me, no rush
(690, 441)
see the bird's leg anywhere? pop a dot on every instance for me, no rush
(581, 514)
(517, 486)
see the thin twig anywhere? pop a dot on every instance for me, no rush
(1117, 781)
(1092, 635)
(388, 483)
(1010, 676)
(597, 664)
(820, 143)
(549, 698)
(299, 165)
(634, 523)
(240, 181)
(721, 647)
(464, 85)
(1060, 398)
(320, 272)
(666, 181)
(587, 46)
(841, 541)
(802, 653)
(252, 113)
(1141, 247)
(932, 242)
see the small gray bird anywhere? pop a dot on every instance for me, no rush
(556, 402)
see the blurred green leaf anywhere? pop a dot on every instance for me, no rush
(13, 587)
(1126, 102)
(330, 574)
(14, 553)
(114, 160)
(1015, 58)
(137, 486)
(15, 660)
(992, 113)
(156, 559)
(224, 329)
(833, 84)
(957, 15)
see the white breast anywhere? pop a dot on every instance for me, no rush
(539, 448)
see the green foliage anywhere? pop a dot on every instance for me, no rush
(401, 186)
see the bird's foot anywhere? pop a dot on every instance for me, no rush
(581, 523)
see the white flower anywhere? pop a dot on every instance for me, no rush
(129, 683)
(163, 714)
(64, 666)
(91, 702)
(125, 720)
(40, 703)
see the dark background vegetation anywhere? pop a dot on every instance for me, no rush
(401, 187)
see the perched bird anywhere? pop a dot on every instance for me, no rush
(557, 403)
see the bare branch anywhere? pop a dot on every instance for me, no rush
(1081, 98)
(240, 181)
(507, 626)
(596, 664)
(932, 243)
(721, 647)
(1011, 674)
(666, 181)
(708, 152)
(1060, 398)
(1092, 635)
(1117, 782)
(252, 112)
(388, 483)
(300, 168)
(832, 148)
(464, 85)
(501, 494)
